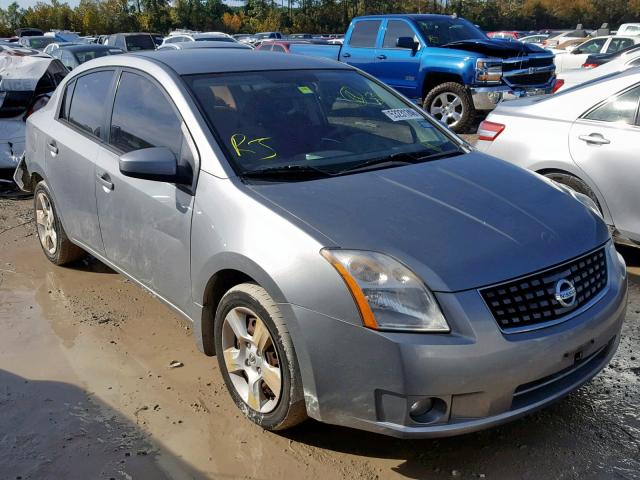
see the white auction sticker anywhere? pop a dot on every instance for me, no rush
(399, 114)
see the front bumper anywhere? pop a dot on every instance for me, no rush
(365, 379)
(487, 98)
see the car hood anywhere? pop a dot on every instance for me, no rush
(496, 47)
(459, 223)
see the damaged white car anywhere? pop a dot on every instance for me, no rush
(26, 82)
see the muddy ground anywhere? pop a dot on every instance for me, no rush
(86, 392)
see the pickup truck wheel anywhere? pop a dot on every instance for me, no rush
(53, 239)
(257, 359)
(451, 104)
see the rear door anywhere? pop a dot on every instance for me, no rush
(398, 67)
(605, 143)
(71, 146)
(146, 224)
(360, 51)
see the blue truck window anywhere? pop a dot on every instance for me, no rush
(365, 33)
(395, 30)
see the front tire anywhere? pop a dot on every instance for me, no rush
(257, 359)
(451, 104)
(53, 239)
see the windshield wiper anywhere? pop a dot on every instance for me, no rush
(292, 172)
(400, 157)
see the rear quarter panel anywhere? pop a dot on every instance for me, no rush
(538, 144)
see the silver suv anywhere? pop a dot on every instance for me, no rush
(345, 256)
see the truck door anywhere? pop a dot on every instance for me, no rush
(360, 48)
(395, 66)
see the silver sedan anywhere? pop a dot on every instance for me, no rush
(587, 138)
(345, 256)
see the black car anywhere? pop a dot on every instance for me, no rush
(597, 59)
(132, 42)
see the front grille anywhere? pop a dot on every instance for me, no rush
(526, 62)
(529, 79)
(531, 300)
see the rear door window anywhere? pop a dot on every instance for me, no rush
(365, 33)
(618, 44)
(87, 104)
(621, 109)
(593, 46)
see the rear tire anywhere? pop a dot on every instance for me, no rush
(53, 239)
(257, 359)
(574, 183)
(451, 104)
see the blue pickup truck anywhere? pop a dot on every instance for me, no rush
(446, 63)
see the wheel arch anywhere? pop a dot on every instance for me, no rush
(433, 79)
(583, 178)
(231, 270)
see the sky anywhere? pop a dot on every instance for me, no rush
(73, 3)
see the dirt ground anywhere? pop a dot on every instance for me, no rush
(86, 393)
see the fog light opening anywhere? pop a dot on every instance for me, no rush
(427, 410)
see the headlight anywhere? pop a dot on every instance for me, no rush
(388, 294)
(489, 70)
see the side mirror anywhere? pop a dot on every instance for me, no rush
(156, 163)
(408, 43)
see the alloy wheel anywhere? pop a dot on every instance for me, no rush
(251, 359)
(447, 108)
(46, 223)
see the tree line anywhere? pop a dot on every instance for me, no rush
(93, 17)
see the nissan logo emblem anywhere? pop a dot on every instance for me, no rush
(566, 294)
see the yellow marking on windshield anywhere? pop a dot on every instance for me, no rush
(235, 143)
(240, 139)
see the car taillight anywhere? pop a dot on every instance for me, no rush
(35, 106)
(558, 85)
(489, 131)
(589, 65)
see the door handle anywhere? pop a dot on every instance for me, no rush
(105, 180)
(381, 57)
(595, 139)
(53, 148)
(346, 55)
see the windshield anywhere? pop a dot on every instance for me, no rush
(140, 42)
(40, 42)
(86, 55)
(440, 31)
(331, 120)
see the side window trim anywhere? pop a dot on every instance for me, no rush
(67, 123)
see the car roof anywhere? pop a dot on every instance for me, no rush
(129, 34)
(210, 44)
(80, 47)
(223, 60)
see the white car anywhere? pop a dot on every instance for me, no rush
(587, 138)
(535, 39)
(624, 60)
(629, 29)
(178, 37)
(27, 82)
(607, 44)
